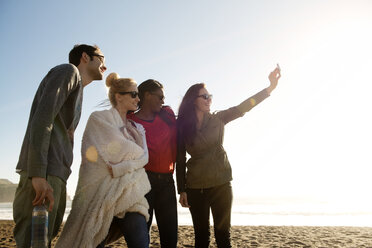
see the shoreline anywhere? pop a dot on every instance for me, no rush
(251, 236)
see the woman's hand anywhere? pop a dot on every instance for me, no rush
(110, 171)
(183, 200)
(274, 78)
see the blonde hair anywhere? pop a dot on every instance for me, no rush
(116, 85)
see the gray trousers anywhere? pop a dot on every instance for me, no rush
(22, 209)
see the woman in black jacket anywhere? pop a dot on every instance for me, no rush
(206, 186)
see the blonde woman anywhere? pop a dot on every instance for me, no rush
(110, 197)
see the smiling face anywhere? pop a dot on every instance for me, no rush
(96, 66)
(201, 103)
(125, 101)
(155, 100)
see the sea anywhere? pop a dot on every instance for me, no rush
(273, 212)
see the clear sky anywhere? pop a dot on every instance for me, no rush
(311, 138)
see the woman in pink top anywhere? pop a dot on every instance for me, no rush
(160, 125)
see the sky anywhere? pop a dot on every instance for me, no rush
(311, 138)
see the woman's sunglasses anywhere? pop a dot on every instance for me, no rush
(206, 96)
(133, 94)
(161, 97)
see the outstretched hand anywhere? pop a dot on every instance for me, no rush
(44, 192)
(274, 78)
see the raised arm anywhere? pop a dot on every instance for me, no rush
(238, 111)
(274, 78)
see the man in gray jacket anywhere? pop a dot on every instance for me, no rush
(47, 149)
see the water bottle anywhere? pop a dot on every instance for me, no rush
(39, 233)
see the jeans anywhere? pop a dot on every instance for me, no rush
(162, 200)
(219, 200)
(22, 209)
(134, 228)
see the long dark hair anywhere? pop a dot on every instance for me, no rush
(186, 121)
(151, 85)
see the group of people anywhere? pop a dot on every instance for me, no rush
(129, 153)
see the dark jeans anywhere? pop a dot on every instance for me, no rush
(162, 201)
(219, 200)
(134, 228)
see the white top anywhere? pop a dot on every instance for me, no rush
(99, 197)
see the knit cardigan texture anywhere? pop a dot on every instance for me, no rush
(99, 196)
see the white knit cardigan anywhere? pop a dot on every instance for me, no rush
(99, 197)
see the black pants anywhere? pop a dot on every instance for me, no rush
(219, 200)
(162, 200)
(133, 227)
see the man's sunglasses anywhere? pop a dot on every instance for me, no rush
(206, 96)
(100, 57)
(133, 94)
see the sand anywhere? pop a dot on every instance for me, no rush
(253, 236)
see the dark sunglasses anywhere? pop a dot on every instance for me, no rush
(133, 94)
(100, 57)
(161, 97)
(206, 96)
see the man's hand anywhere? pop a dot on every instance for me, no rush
(183, 200)
(43, 192)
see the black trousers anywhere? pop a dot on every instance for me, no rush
(163, 202)
(219, 200)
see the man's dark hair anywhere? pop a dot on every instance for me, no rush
(76, 52)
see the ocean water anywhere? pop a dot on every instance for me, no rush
(273, 213)
(6, 211)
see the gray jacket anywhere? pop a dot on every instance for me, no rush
(47, 147)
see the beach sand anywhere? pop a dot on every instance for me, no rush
(252, 236)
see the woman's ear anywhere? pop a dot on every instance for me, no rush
(146, 95)
(118, 98)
